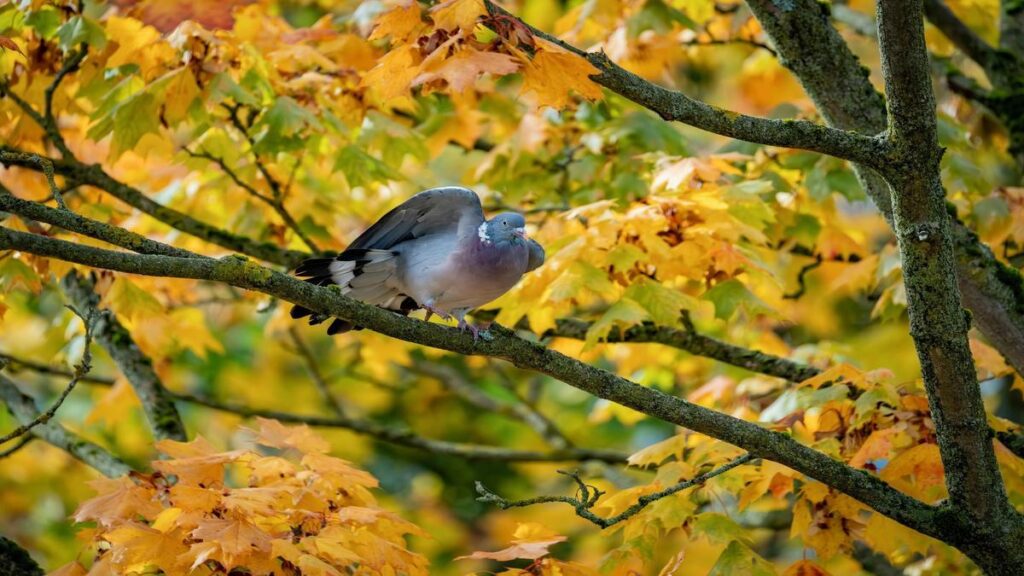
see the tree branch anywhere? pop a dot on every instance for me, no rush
(454, 381)
(938, 324)
(24, 409)
(314, 372)
(587, 495)
(760, 442)
(839, 86)
(1001, 67)
(156, 401)
(94, 175)
(676, 106)
(83, 367)
(694, 343)
(276, 202)
(411, 440)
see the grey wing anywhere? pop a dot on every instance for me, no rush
(536, 256)
(438, 210)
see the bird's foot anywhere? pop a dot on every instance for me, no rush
(431, 311)
(481, 331)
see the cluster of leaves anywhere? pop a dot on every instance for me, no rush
(299, 511)
(338, 111)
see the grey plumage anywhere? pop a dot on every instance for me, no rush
(434, 251)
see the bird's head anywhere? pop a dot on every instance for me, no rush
(505, 227)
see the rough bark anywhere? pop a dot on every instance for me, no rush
(157, 403)
(838, 84)
(938, 324)
(25, 410)
(15, 560)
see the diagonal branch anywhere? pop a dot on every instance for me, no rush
(676, 106)
(587, 495)
(95, 175)
(83, 367)
(411, 440)
(1002, 67)
(156, 401)
(525, 354)
(276, 202)
(24, 409)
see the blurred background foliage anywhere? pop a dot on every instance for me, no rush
(642, 220)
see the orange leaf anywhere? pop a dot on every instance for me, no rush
(301, 438)
(457, 14)
(8, 44)
(878, 446)
(531, 541)
(462, 69)
(165, 16)
(400, 23)
(550, 77)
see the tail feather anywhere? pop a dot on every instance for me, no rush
(364, 274)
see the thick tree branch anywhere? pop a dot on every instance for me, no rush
(15, 560)
(676, 106)
(938, 324)
(94, 175)
(758, 441)
(1003, 68)
(24, 409)
(411, 440)
(839, 86)
(160, 411)
(587, 496)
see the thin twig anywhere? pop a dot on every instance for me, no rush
(314, 372)
(588, 495)
(45, 166)
(81, 370)
(410, 439)
(25, 440)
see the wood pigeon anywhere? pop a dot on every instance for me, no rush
(434, 251)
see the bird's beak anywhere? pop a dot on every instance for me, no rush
(520, 233)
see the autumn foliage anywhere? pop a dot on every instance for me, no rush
(753, 281)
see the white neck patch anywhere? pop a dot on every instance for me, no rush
(481, 232)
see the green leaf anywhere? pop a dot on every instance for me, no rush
(624, 256)
(665, 305)
(625, 313)
(224, 87)
(15, 273)
(133, 119)
(738, 558)
(731, 295)
(718, 528)
(845, 182)
(805, 230)
(361, 169)
(283, 125)
(45, 21)
(577, 277)
(81, 29)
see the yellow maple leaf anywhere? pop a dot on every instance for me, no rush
(462, 69)
(457, 14)
(400, 23)
(551, 76)
(393, 75)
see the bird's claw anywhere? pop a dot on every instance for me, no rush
(434, 311)
(481, 331)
